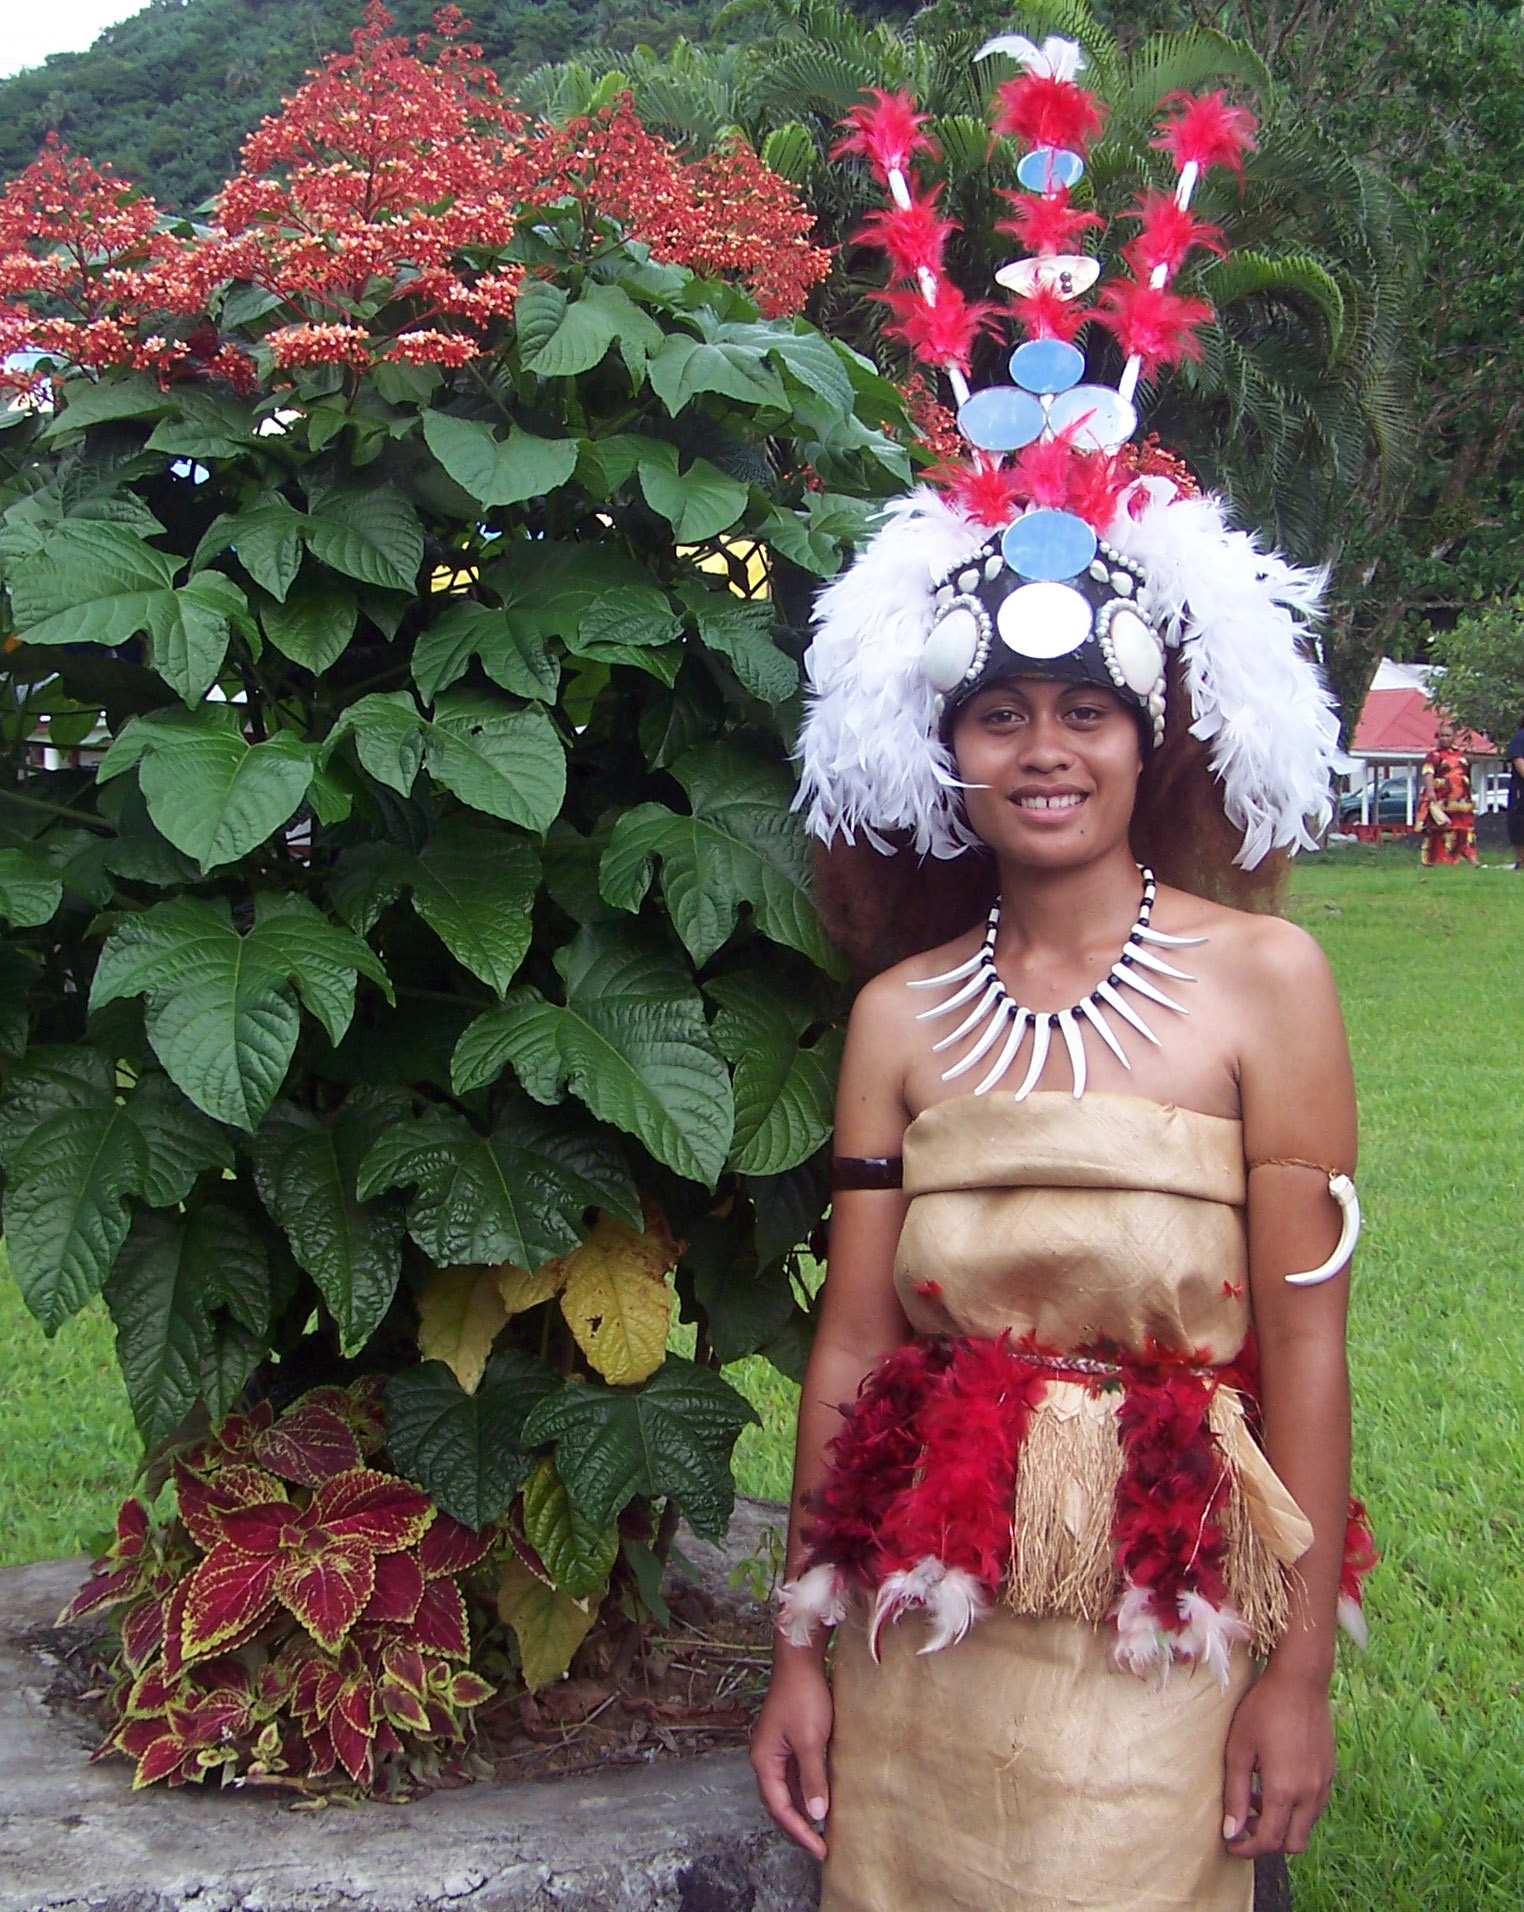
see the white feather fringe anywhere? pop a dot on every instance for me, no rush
(1241, 616)
(953, 1600)
(818, 1598)
(1207, 1638)
(1352, 1619)
(870, 754)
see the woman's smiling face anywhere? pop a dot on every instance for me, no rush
(1052, 768)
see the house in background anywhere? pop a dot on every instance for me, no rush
(1394, 734)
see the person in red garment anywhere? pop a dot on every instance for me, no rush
(1071, 1492)
(1445, 811)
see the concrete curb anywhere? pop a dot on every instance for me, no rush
(678, 1836)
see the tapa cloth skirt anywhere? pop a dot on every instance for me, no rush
(1020, 1772)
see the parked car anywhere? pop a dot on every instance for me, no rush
(1389, 803)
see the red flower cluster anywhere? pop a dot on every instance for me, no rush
(377, 188)
(300, 1619)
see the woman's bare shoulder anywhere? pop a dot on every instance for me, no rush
(1268, 951)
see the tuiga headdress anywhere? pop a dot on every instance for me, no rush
(1057, 547)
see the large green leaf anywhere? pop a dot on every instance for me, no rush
(170, 1273)
(515, 657)
(698, 503)
(585, 330)
(266, 537)
(369, 532)
(465, 1449)
(742, 634)
(805, 354)
(314, 624)
(672, 1436)
(182, 1142)
(508, 763)
(305, 1170)
(220, 1009)
(499, 471)
(65, 1205)
(784, 1093)
(631, 1039)
(578, 1553)
(685, 367)
(475, 889)
(741, 843)
(101, 584)
(519, 1194)
(213, 794)
(30, 889)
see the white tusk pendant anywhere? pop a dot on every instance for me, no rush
(1008, 1054)
(1042, 1035)
(1076, 1048)
(1343, 1191)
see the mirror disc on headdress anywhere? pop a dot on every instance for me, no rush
(1102, 419)
(1048, 166)
(1047, 365)
(1069, 274)
(1139, 656)
(1048, 544)
(950, 649)
(1044, 620)
(1000, 418)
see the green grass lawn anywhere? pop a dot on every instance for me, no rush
(1428, 1815)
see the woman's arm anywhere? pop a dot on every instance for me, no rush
(860, 1320)
(1299, 1108)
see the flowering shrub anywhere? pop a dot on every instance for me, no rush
(411, 967)
(299, 1619)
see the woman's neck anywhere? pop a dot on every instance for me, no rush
(1066, 911)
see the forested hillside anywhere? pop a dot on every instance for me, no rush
(168, 95)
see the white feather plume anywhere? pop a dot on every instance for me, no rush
(1241, 616)
(818, 1598)
(1141, 1645)
(1352, 1620)
(1055, 59)
(1210, 1635)
(871, 759)
(953, 1599)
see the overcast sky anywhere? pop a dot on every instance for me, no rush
(32, 29)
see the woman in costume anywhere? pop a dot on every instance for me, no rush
(1446, 812)
(1071, 1486)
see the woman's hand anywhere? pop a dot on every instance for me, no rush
(788, 1747)
(1282, 1731)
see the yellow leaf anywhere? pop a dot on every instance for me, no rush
(459, 1315)
(616, 1299)
(520, 1289)
(549, 1625)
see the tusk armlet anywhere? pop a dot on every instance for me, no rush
(1342, 1190)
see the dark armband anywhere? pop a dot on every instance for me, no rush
(867, 1171)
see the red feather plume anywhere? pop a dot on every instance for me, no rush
(1208, 130)
(1150, 321)
(1044, 111)
(912, 238)
(1168, 233)
(1046, 222)
(986, 494)
(887, 133)
(944, 333)
(1046, 314)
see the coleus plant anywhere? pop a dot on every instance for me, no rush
(300, 1618)
(403, 596)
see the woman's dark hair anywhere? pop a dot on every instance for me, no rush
(880, 909)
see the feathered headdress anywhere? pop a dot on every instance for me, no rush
(1050, 550)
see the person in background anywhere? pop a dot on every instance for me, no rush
(1515, 755)
(1446, 812)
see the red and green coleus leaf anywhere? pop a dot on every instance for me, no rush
(309, 1444)
(448, 1547)
(326, 1589)
(376, 1510)
(205, 1502)
(440, 1624)
(228, 1597)
(399, 1590)
(233, 1442)
(361, 1406)
(403, 1707)
(117, 1575)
